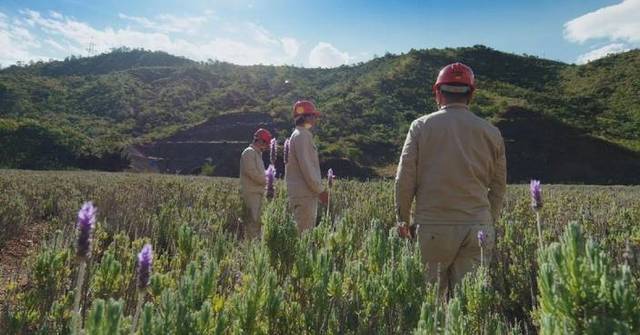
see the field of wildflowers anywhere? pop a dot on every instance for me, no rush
(155, 254)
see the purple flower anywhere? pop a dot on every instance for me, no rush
(273, 150)
(330, 177)
(285, 154)
(145, 258)
(536, 194)
(270, 174)
(482, 238)
(86, 221)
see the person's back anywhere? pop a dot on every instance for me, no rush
(457, 158)
(302, 170)
(252, 178)
(453, 164)
(253, 182)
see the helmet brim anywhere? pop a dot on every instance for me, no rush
(458, 89)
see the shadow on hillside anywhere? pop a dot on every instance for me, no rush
(541, 147)
(537, 146)
(218, 142)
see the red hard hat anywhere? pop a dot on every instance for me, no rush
(304, 107)
(262, 134)
(457, 74)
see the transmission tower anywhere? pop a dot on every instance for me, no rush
(91, 49)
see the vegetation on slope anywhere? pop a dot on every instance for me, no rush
(125, 96)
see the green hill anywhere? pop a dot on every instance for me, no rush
(81, 112)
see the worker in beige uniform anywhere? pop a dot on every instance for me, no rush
(253, 182)
(453, 163)
(302, 171)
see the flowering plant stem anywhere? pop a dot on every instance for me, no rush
(136, 316)
(539, 224)
(436, 314)
(77, 318)
(330, 179)
(328, 202)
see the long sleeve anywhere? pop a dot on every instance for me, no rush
(251, 169)
(406, 177)
(307, 158)
(498, 184)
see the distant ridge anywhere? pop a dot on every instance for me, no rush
(59, 113)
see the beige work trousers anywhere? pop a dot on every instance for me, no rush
(305, 211)
(450, 251)
(252, 211)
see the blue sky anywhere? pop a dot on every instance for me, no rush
(315, 33)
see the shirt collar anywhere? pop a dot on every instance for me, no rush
(456, 105)
(302, 128)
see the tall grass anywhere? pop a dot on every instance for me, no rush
(351, 275)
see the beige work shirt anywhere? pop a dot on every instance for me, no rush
(302, 172)
(453, 163)
(252, 177)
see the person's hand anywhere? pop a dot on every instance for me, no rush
(324, 197)
(404, 230)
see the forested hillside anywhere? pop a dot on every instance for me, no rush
(81, 112)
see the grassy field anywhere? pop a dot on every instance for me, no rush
(352, 275)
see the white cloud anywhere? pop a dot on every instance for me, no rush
(16, 43)
(259, 34)
(56, 15)
(601, 52)
(620, 22)
(168, 23)
(55, 44)
(143, 21)
(326, 55)
(56, 35)
(291, 46)
(189, 24)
